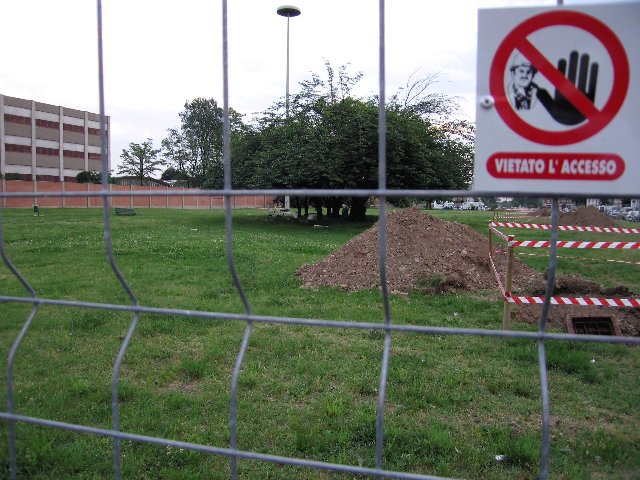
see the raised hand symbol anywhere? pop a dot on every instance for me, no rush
(583, 76)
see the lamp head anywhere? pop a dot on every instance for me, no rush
(288, 11)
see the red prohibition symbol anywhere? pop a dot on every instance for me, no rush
(595, 119)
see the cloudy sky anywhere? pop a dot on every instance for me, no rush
(161, 53)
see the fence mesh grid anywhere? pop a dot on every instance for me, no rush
(387, 327)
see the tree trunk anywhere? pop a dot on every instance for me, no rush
(358, 210)
(317, 204)
(335, 203)
(298, 201)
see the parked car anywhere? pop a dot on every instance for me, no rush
(473, 206)
(633, 216)
(624, 211)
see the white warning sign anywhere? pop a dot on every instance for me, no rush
(558, 100)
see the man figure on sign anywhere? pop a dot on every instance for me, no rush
(521, 88)
(523, 92)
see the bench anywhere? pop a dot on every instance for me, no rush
(125, 211)
(274, 213)
(271, 213)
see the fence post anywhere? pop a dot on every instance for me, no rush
(506, 316)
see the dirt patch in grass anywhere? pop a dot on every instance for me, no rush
(182, 387)
(628, 318)
(572, 286)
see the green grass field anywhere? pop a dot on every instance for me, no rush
(453, 403)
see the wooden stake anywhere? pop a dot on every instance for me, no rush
(506, 317)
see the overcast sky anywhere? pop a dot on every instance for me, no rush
(161, 53)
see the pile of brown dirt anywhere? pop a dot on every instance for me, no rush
(588, 217)
(583, 216)
(432, 255)
(423, 253)
(540, 212)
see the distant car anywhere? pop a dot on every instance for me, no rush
(633, 216)
(473, 206)
(624, 211)
(449, 205)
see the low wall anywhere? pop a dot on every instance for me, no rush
(156, 200)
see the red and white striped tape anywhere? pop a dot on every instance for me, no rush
(519, 214)
(575, 244)
(506, 238)
(495, 271)
(580, 258)
(582, 301)
(567, 228)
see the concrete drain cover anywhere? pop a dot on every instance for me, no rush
(593, 325)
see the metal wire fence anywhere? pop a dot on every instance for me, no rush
(31, 297)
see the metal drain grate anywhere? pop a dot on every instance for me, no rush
(593, 325)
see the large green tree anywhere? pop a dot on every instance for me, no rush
(330, 140)
(196, 147)
(140, 160)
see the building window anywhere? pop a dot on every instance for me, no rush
(17, 176)
(72, 154)
(47, 151)
(48, 178)
(47, 124)
(94, 131)
(67, 127)
(10, 147)
(17, 119)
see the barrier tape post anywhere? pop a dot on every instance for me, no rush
(506, 315)
(490, 243)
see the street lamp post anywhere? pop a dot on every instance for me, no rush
(288, 11)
